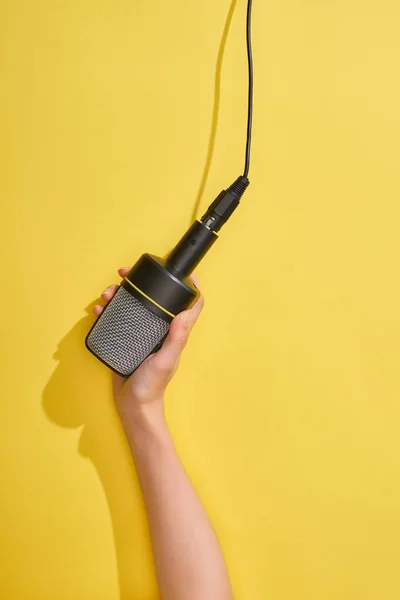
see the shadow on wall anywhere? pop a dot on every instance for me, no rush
(74, 402)
(217, 102)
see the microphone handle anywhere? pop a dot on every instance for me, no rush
(203, 234)
(190, 250)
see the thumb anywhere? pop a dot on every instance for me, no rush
(169, 354)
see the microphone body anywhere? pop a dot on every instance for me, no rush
(135, 323)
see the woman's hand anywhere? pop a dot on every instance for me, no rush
(144, 390)
(187, 555)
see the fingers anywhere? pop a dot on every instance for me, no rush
(167, 358)
(122, 271)
(109, 292)
(196, 309)
(193, 277)
(169, 354)
(199, 304)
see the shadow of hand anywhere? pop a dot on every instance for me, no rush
(78, 394)
(70, 399)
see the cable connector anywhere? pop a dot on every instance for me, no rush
(223, 206)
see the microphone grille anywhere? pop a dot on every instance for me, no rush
(126, 333)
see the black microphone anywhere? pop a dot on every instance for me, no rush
(135, 323)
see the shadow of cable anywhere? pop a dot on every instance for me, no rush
(217, 101)
(72, 401)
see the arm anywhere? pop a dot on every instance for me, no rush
(188, 559)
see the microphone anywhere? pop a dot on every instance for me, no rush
(135, 323)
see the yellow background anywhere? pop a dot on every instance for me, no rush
(286, 408)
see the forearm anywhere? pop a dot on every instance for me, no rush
(188, 559)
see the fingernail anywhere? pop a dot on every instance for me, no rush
(195, 282)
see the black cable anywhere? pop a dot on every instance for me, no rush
(250, 96)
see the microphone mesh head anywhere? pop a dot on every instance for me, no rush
(126, 333)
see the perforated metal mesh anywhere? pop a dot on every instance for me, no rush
(126, 333)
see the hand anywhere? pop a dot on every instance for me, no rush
(144, 390)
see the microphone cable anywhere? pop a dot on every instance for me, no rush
(250, 91)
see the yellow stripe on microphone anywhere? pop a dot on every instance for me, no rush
(150, 299)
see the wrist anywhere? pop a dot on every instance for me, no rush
(145, 422)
